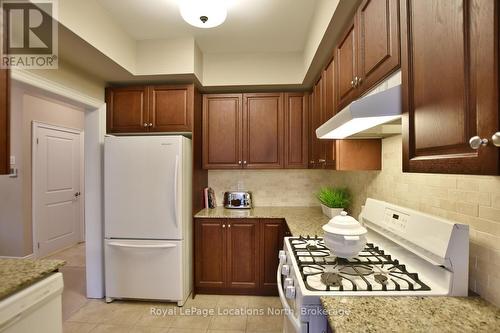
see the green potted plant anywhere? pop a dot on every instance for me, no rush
(333, 200)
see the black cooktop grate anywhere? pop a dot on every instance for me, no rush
(371, 270)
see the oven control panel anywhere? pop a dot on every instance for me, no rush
(395, 220)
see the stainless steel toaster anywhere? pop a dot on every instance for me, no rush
(238, 200)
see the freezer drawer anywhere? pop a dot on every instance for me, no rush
(144, 269)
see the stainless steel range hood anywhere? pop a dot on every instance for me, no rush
(377, 115)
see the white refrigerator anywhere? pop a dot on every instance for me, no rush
(148, 217)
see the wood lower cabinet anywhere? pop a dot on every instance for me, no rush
(171, 108)
(127, 110)
(448, 102)
(263, 130)
(272, 234)
(237, 256)
(210, 254)
(222, 131)
(4, 122)
(243, 254)
(296, 130)
(166, 108)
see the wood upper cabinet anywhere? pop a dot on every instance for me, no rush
(451, 86)
(346, 67)
(127, 110)
(166, 108)
(171, 108)
(4, 122)
(263, 130)
(243, 253)
(368, 51)
(222, 131)
(378, 50)
(296, 130)
(327, 112)
(317, 158)
(210, 253)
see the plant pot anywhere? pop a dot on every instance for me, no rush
(331, 212)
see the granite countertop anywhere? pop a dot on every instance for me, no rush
(300, 220)
(16, 274)
(411, 314)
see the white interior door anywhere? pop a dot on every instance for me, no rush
(57, 200)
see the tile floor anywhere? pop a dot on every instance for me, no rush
(212, 313)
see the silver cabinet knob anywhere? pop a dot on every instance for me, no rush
(352, 83)
(321, 160)
(145, 124)
(223, 225)
(229, 226)
(475, 142)
(244, 162)
(150, 124)
(239, 162)
(495, 138)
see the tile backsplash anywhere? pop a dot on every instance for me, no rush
(284, 187)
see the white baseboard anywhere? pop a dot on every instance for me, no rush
(29, 256)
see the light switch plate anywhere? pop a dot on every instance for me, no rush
(12, 160)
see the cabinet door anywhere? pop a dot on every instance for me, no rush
(328, 111)
(243, 254)
(222, 131)
(379, 42)
(263, 131)
(4, 121)
(450, 85)
(318, 146)
(271, 242)
(345, 68)
(171, 108)
(127, 110)
(210, 254)
(296, 130)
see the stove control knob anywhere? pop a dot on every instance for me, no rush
(290, 292)
(285, 270)
(282, 257)
(288, 282)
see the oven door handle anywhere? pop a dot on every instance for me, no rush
(284, 303)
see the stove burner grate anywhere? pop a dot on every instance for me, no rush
(371, 270)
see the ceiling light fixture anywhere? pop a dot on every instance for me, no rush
(203, 13)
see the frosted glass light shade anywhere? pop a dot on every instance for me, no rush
(203, 13)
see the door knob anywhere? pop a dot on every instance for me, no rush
(495, 138)
(475, 142)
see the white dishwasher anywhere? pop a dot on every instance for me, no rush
(36, 308)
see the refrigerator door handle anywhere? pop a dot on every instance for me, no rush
(148, 246)
(176, 174)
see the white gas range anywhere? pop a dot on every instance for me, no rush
(408, 253)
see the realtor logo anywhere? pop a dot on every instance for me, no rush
(29, 34)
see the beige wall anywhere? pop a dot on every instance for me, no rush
(15, 214)
(473, 200)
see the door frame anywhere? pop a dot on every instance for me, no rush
(35, 125)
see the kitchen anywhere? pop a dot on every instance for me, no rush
(207, 148)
